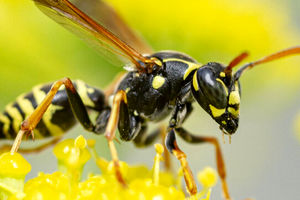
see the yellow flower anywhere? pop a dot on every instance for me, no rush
(142, 183)
(49, 187)
(13, 169)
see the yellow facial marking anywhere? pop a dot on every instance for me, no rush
(158, 81)
(233, 111)
(222, 74)
(224, 122)
(195, 82)
(216, 112)
(224, 86)
(127, 90)
(234, 98)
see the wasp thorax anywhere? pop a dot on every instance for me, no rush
(218, 95)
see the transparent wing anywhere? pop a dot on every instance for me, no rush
(105, 15)
(109, 45)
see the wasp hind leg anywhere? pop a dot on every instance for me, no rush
(188, 137)
(55, 140)
(78, 109)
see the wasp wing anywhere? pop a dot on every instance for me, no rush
(106, 15)
(109, 45)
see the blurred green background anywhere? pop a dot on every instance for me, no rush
(263, 160)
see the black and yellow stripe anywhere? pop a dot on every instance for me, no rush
(57, 119)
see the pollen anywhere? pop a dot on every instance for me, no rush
(80, 142)
(207, 177)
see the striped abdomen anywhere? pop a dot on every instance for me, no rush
(57, 119)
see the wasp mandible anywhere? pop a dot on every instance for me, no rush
(157, 85)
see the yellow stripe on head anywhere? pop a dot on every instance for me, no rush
(223, 84)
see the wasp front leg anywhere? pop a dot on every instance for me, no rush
(180, 114)
(188, 137)
(173, 148)
(120, 99)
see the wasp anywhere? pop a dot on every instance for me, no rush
(157, 85)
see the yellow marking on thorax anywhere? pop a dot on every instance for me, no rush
(157, 61)
(223, 84)
(177, 59)
(216, 112)
(191, 66)
(158, 81)
(127, 90)
(195, 82)
(6, 123)
(222, 74)
(15, 115)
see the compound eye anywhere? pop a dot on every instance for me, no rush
(212, 87)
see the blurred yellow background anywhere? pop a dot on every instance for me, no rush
(263, 160)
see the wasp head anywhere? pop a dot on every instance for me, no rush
(218, 93)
